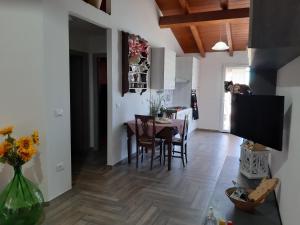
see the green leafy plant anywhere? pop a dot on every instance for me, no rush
(156, 104)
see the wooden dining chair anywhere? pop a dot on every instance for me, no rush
(180, 141)
(145, 138)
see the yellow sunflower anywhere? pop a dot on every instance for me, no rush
(26, 154)
(26, 148)
(2, 150)
(6, 130)
(5, 147)
(25, 143)
(35, 137)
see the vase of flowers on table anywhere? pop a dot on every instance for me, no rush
(21, 200)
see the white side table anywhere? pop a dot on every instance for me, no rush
(254, 164)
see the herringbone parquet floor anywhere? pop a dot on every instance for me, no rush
(123, 195)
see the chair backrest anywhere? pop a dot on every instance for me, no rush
(171, 114)
(145, 129)
(185, 128)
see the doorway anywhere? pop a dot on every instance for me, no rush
(236, 74)
(88, 96)
(79, 100)
(100, 80)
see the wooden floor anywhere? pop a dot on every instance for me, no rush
(125, 195)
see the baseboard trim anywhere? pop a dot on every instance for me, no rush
(124, 161)
(208, 130)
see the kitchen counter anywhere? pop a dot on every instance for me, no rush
(181, 112)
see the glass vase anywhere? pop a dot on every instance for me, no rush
(21, 202)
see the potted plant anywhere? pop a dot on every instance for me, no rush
(156, 105)
(21, 201)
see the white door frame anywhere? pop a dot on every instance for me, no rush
(224, 66)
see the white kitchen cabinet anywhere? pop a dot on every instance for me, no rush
(187, 74)
(163, 66)
(187, 70)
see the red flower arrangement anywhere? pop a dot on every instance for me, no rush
(137, 46)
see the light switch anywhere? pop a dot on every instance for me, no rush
(60, 167)
(58, 112)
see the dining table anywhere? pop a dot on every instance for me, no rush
(164, 131)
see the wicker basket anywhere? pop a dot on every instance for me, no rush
(245, 206)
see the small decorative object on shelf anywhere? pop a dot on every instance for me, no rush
(222, 222)
(254, 160)
(21, 201)
(211, 219)
(135, 63)
(241, 89)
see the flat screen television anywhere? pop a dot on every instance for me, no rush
(258, 118)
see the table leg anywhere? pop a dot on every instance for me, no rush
(167, 134)
(169, 155)
(129, 147)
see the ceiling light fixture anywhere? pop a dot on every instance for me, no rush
(220, 45)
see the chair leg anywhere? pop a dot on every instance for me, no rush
(142, 158)
(152, 156)
(137, 156)
(160, 151)
(164, 154)
(182, 155)
(185, 147)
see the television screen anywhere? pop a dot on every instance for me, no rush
(258, 118)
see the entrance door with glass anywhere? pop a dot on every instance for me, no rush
(238, 75)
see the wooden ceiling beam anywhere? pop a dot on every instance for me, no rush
(185, 6)
(224, 4)
(198, 40)
(194, 18)
(229, 38)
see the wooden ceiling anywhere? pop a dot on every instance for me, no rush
(199, 24)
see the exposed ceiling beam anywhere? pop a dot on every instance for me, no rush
(229, 38)
(198, 40)
(194, 18)
(186, 7)
(224, 4)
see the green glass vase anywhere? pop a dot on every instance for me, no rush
(21, 202)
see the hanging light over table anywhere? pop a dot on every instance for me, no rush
(220, 45)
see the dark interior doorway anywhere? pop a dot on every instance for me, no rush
(100, 61)
(88, 96)
(79, 99)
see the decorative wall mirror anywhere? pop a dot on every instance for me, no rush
(135, 64)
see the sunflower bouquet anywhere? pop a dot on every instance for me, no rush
(21, 201)
(17, 152)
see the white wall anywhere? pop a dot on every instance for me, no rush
(21, 81)
(142, 21)
(35, 76)
(285, 164)
(211, 86)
